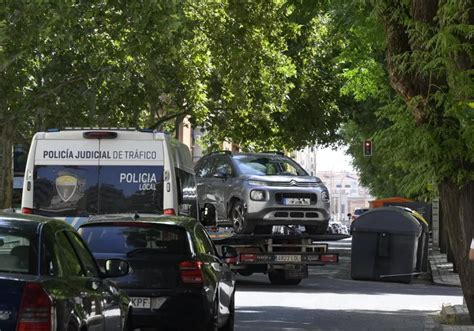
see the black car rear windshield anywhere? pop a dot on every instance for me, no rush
(61, 190)
(18, 251)
(268, 166)
(125, 238)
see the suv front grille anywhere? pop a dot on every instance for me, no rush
(293, 215)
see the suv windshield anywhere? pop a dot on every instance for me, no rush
(268, 166)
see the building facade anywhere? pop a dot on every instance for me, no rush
(344, 188)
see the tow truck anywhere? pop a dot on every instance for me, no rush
(283, 255)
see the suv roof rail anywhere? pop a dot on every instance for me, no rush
(220, 152)
(273, 152)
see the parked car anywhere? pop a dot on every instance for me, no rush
(50, 281)
(260, 189)
(358, 212)
(177, 278)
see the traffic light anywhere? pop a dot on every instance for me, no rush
(367, 147)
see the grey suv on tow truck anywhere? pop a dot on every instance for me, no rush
(252, 192)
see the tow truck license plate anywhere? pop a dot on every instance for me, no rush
(141, 302)
(288, 258)
(297, 201)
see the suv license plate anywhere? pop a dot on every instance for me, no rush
(297, 201)
(288, 258)
(141, 302)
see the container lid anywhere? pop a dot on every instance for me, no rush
(389, 220)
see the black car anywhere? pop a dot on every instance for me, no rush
(50, 281)
(177, 280)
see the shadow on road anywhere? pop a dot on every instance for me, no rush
(283, 318)
(341, 286)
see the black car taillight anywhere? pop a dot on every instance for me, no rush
(36, 309)
(191, 272)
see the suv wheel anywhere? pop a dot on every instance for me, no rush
(319, 228)
(239, 222)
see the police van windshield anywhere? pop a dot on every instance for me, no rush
(63, 190)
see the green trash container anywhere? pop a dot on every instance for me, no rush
(385, 245)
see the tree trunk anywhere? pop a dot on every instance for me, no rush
(6, 176)
(458, 215)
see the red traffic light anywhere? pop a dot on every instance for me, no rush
(367, 147)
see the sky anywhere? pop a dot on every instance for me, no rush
(335, 160)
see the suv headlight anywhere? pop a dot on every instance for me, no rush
(257, 183)
(325, 195)
(257, 195)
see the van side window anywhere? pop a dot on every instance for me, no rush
(187, 194)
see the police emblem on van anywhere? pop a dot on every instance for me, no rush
(66, 186)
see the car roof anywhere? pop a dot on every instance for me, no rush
(268, 154)
(232, 154)
(185, 222)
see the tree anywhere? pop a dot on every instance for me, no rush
(272, 80)
(430, 131)
(429, 61)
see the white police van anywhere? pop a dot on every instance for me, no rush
(75, 173)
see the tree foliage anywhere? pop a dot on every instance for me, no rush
(424, 132)
(258, 73)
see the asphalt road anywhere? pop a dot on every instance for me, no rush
(330, 300)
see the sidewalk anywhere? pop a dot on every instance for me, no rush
(442, 270)
(451, 318)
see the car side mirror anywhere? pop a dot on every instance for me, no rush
(220, 175)
(116, 267)
(229, 254)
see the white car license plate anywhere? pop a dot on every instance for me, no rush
(297, 201)
(288, 258)
(141, 302)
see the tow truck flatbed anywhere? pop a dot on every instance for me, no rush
(284, 257)
(223, 239)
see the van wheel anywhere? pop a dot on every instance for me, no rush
(239, 222)
(319, 228)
